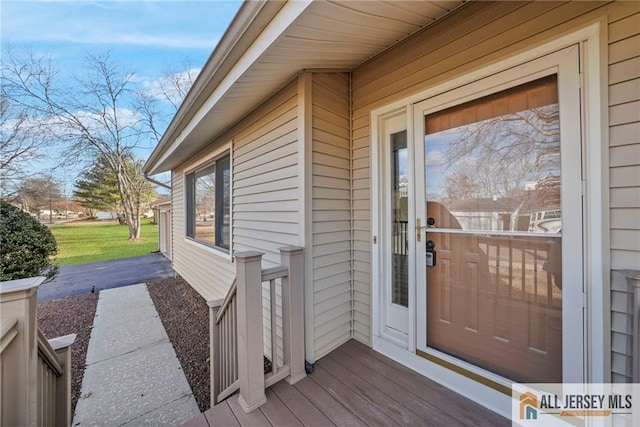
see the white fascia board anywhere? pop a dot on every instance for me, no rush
(283, 20)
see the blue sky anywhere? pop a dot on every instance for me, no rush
(142, 35)
(148, 38)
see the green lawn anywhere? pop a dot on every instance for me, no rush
(81, 243)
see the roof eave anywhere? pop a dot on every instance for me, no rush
(246, 26)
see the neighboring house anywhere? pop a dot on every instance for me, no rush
(349, 128)
(162, 217)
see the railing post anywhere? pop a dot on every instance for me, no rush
(250, 338)
(293, 312)
(214, 359)
(62, 347)
(19, 359)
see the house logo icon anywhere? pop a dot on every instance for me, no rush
(528, 406)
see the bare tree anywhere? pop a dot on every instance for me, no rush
(496, 157)
(21, 140)
(175, 84)
(97, 117)
(38, 194)
(170, 89)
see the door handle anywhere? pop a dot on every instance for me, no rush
(419, 228)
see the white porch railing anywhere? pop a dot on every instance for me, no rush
(237, 329)
(35, 374)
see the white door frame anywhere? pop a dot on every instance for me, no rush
(381, 275)
(593, 47)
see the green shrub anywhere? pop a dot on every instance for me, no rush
(26, 246)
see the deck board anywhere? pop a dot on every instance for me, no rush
(431, 415)
(360, 406)
(277, 412)
(465, 410)
(401, 414)
(223, 416)
(300, 406)
(330, 407)
(356, 386)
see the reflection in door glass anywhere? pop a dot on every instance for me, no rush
(494, 163)
(399, 214)
(494, 296)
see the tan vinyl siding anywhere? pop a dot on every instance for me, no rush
(361, 233)
(624, 175)
(456, 45)
(621, 329)
(265, 185)
(624, 135)
(265, 195)
(331, 211)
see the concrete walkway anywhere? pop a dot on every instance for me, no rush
(132, 375)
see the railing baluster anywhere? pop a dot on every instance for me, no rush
(274, 327)
(226, 350)
(235, 341)
(223, 356)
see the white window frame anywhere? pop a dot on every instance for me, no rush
(209, 159)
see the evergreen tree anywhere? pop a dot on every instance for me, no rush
(97, 190)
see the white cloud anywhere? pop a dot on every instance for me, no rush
(93, 121)
(173, 87)
(86, 36)
(434, 158)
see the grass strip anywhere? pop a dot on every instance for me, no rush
(79, 244)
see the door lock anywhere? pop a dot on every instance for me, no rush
(431, 253)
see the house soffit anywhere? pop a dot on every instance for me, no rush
(303, 35)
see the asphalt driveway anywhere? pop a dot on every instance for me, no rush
(82, 278)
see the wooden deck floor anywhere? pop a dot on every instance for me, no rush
(356, 386)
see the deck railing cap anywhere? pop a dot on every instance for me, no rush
(62, 342)
(291, 249)
(21, 285)
(633, 277)
(214, 303)
(245, 255)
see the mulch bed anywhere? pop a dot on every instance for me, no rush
(185, 317)
(70, 315)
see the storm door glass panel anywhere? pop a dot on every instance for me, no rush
(493, 179)
(400, 217)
